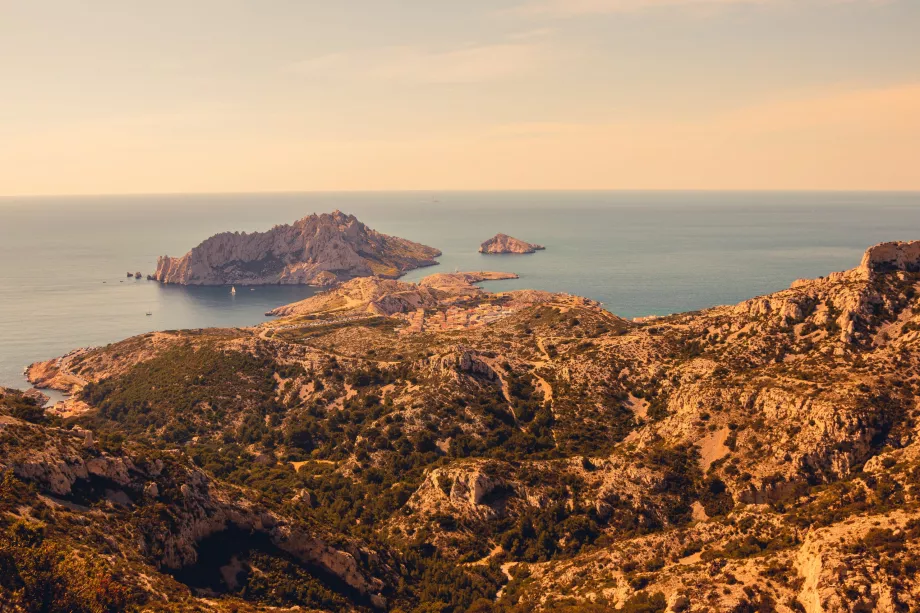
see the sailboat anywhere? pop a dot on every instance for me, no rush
(232, 290)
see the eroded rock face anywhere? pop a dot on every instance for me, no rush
(466, 489)
(887, 257)
(836, 578)
(463, 360)
(316, 250)
(502, 243)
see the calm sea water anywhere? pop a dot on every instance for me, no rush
(63, 260)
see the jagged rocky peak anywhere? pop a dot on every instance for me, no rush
(316, 250)
(893, 256)
(502, 243)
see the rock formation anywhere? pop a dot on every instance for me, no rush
(316, 250)
(502, 243)
(388, 296)
(886, 257)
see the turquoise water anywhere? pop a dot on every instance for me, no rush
(63, 260)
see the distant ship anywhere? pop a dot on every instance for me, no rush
(232, 290)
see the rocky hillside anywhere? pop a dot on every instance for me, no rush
(388, 297)
(763, 456)
(70, 501)
(316, 250)
(502, 243)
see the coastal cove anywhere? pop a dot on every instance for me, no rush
(63, 260)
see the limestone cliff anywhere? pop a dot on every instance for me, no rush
(886, 257)
(316, 250)
(502, 243)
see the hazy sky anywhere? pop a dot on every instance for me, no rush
(140, 96)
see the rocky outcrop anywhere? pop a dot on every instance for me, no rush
(463, 360)
(838, 576)
(316, 250)
(56, 373)
(502, 243)
(846, 303)
(466, 489)
(887, 257)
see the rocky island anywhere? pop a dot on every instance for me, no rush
(436, 446)
(316, 250)
(502, 243)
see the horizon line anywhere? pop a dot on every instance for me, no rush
(463, 191)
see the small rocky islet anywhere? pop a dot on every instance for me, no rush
(502, 243)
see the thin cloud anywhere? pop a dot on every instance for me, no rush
(597, 7)
(412, 64)
(531, 34)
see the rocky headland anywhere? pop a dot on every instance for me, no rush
(389, 296)
(316, 250)
(502, 243)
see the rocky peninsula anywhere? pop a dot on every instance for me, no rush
(316, 250)
(383, 443)
(502, 243)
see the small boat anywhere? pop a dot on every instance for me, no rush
(232, 290)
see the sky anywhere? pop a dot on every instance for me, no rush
(180, 96)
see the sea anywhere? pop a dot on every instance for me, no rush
(64, 261)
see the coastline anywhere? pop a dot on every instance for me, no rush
(596, 252)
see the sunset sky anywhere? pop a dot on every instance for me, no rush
(137, 96)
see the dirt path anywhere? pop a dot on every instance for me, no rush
(506, 569)
(506, 389)
(548, 397)
(297, 465)
(313, 324)
(484, 561)
(547, 389)
(543, 350)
